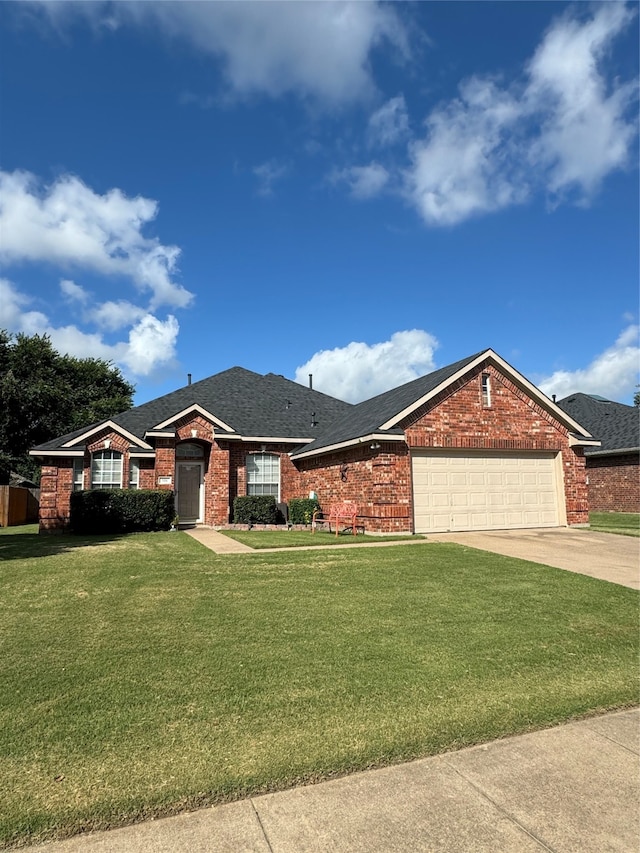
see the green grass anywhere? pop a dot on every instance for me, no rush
(144, 675)
(625, 523)
(258, 539)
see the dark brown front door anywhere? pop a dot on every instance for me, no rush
(189, 486)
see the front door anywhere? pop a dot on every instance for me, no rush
(189, 505)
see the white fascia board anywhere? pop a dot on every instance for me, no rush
(74, 453)
(159, 433)
(426, 397)
(195, 408)
(374, 436)
(109, 425)
(575, 441)
(490, 355)
(142, 454)
(270, 439)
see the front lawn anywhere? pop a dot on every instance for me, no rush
(257, 538)
(626, 523)
(144, 675)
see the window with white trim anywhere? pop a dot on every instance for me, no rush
(263, 474)
(78, 474)
(486, 390)
(134, 474)
(106, 470)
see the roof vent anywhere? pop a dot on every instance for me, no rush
(311, 381)
(188, 379)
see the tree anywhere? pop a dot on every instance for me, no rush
(44, 394)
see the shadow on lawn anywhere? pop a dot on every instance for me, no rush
(23, 546)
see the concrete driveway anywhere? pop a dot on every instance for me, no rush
(600, 555)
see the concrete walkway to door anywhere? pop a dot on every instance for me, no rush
(600, 555)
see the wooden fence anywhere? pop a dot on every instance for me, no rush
(18, 505)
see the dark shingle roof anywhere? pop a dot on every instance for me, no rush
(367, 417)
(252, 404)
(617, 426)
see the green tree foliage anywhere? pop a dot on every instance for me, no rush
(44, 394)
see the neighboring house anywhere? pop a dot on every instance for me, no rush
(473, 445)
(613, 469)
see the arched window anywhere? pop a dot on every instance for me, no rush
(263, 474)
(189, 450)
(106, 470)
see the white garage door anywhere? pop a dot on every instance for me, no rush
(478, 490)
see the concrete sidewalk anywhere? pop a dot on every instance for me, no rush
(221, 544)
(571, 789)
(217, 542)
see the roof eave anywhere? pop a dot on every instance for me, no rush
(618, 451)
(352, 442)
(490, 355)
(56, 452)
(112, 425)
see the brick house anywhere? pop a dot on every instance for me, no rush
(613, 469)
(473, 445)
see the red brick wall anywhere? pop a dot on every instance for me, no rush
(381, 483)
(457, 419)
(378, 481)
(56, 484)
(614, 483)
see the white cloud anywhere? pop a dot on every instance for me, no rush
(560, 129)
(115, 315)
(584, 131)
(390, 123)
(268, 174)
(363, 181)
(466, 165)
(359, 370)
(316, 49)
(69, 225)
(13, 315)
(150, 345)
(72, 291)
(612, 374)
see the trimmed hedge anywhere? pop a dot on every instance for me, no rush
(256, 509)
(121, 510)
(301, 510)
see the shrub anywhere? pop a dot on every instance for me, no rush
(301, 510)
(255, 509)
(121, 510)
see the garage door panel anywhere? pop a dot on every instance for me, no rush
(483, 490)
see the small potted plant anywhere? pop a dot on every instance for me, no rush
(175, 523)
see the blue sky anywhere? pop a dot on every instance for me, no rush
(365, 192)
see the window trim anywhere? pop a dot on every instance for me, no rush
(263, 482)
(134, 466)
(113, 456)
(78, 474)
(486, 390)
